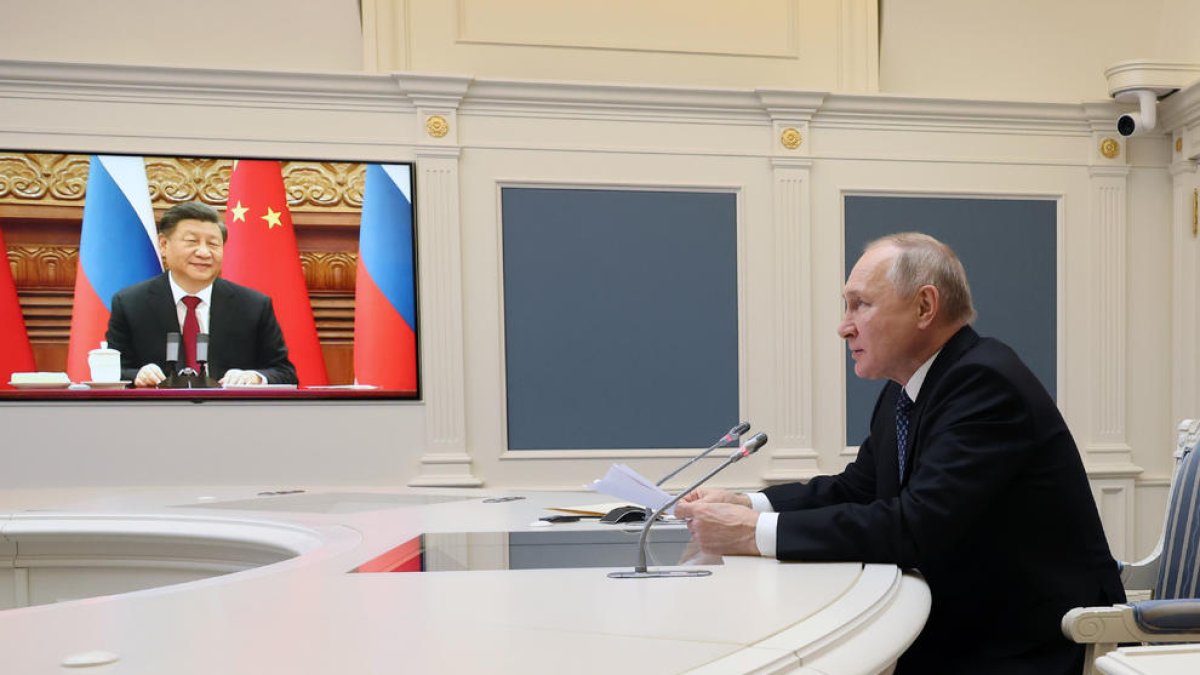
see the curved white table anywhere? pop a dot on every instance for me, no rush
(309, 614)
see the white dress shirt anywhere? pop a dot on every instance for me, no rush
(768, 519)
(202, 309)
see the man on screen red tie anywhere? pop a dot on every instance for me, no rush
(246, 345)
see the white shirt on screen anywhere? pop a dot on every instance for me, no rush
(202, 309)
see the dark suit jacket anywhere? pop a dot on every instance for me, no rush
(995, 511)
(243, 332)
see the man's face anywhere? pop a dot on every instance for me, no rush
(879, 327)
(193, 253)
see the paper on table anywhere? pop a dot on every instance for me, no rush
(625, 483)
(589, 509)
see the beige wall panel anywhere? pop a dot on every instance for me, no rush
(704, 43)
(766, 28)
(1177, 31)
(1019, 50)
(248, 34)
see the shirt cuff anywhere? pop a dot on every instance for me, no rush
(764, 534)
(760, 503)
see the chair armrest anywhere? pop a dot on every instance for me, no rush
(1149, 621)
(1165, 619)
(1100, 625)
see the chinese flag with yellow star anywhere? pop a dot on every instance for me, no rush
(261, 253)
(16, 355)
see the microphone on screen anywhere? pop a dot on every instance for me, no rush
(172, 352)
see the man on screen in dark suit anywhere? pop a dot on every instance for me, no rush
(246, 345)
(969, 475)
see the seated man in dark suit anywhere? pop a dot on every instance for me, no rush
(246, 345)
(969, 475)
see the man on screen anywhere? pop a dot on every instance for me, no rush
(969, 475)
(246, 345)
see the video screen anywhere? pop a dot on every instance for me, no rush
(275, 277)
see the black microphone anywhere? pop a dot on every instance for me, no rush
(752, 446)
(726, 441)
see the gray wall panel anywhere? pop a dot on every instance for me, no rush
(1009, 249)
(620, 317)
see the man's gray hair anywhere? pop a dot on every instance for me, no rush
(922, 260)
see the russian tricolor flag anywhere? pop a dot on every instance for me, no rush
(385, 312)
(118, 246)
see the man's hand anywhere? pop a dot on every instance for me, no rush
(149, 376)
(715, 496)
(235, 376)
(721, 527)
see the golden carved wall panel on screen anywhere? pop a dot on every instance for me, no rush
(41, 210)
(43, 266)
(51, 267)
(61, 179)
(47, 178)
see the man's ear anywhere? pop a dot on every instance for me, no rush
(162, 245)
(928, 305)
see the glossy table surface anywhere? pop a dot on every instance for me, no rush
(312, 614)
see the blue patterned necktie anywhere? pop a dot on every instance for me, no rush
(903, 405)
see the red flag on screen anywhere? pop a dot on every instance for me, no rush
(261, 253)
(16, 355)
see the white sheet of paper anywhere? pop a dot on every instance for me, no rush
(623, 482)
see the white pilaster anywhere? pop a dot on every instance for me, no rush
(1105, 441)
(792, 454)
(1185, 284)
(447, 462)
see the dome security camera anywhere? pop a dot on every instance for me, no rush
(1137, 123)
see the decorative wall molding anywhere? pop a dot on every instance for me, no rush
(1115, 502)
(199, 86)
(447, 461)
(402, 92)
(1107, 239)
(955, 115)
(791, 452)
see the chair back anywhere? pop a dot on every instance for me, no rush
(1179, 566)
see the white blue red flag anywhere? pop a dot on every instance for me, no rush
(118, 246)
(385, 307)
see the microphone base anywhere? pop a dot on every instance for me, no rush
(647, 574)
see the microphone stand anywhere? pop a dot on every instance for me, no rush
(640, 571)
(726, 440)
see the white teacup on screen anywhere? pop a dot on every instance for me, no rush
(105, 364)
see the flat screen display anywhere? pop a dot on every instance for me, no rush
(331, 244)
